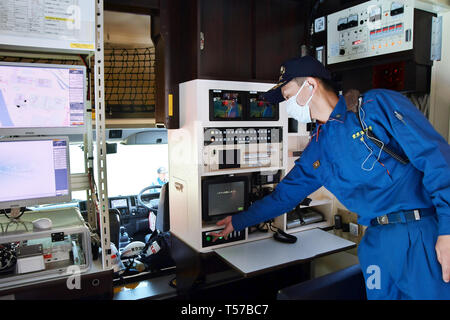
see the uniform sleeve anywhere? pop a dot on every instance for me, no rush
(425, 147)
(295, 186)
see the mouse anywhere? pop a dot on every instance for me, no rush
(42, 224)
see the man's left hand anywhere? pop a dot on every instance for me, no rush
(443, 255)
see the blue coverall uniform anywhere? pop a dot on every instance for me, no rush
(335, 158)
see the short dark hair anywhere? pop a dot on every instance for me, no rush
(329, 85)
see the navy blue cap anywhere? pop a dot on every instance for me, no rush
(306, 66)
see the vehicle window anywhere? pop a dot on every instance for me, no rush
(131, 169)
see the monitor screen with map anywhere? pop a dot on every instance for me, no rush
(38, 99)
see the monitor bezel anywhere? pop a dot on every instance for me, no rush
(242, 96)
(32, 131)
(43, 200)
(275, 117)
(218, 180)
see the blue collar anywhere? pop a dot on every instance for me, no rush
(339, 112)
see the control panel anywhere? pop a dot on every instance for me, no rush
(239, 148)
(370, 29)
(207, 238)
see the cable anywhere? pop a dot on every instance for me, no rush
(370, 135)
(22, 211)
(366, 129)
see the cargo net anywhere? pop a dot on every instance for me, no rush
(129, 82)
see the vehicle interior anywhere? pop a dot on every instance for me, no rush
(168, 131)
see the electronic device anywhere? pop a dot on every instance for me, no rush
(337, 222)
(266, 177)
(45, 254)
(373, 28)
(42, 224)
(42, 99)
(33, 171)
(207, 238)
(234, 105)
(242, 147)
(228, 135)
(302, 216)
(223, 196)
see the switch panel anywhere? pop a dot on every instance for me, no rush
(233, 236)
(370, 29)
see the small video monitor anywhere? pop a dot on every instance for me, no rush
(260, 109)
(224, 196)
(225, 105)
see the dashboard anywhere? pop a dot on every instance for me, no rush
(133, 215)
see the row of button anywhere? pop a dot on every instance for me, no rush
(386, 45)
(231, 131)
(232, 235)
(213, 139)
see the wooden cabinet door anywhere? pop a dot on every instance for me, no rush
(280, 30)
(227, 27)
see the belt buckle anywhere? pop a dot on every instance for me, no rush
(383, 219)
(416, 215)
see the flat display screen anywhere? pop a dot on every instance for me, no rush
(227, 105)
(226, 198)
(119, 203)
(42, 96)
(261, 109)
(34, 170)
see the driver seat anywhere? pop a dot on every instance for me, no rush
(162, 216)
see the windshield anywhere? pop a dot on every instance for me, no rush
(131, 169)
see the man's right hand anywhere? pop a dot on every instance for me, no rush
(226, 230)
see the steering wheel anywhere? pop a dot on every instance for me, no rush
(153, 203)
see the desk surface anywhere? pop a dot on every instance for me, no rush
(254, 257)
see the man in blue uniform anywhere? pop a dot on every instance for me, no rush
(160, 180)
(403, 198)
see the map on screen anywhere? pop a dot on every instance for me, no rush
(40, 97)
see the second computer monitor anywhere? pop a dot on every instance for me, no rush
(34, 171)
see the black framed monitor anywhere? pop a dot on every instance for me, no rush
(33, 171)
(226, 105)
(42, 99)
(260, 109)
(223, 196)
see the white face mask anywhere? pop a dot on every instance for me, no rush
(300, 113)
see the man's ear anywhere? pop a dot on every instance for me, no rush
(313, 83)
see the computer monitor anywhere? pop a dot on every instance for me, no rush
(34, 171)
(41, 99)
(224, 196)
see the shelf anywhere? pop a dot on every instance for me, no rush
(296, 134)
(209, 226)
(236, 171)
(321, 225)
(316, 203)
(259, 235)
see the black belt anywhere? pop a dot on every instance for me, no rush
(402, 216)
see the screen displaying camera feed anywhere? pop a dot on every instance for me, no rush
(226, 198)
(227, 105)
(261, 109)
